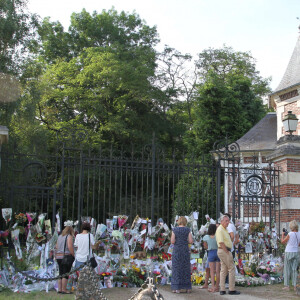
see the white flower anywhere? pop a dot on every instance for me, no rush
(68, 223)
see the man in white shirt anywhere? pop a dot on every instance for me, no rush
(233, 234)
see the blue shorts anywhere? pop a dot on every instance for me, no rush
(206, 265)
(213, 256)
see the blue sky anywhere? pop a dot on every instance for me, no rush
(266, 28)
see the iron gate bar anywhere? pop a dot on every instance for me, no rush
(106, 185)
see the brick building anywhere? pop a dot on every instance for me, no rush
(270, 143)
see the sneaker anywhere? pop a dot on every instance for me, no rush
(222, 292)
(234, 292)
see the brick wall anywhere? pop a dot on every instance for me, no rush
(287, 215)
(288, 165)
(290, 190)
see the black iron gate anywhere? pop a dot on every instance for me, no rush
(251, 185)
(79, 182)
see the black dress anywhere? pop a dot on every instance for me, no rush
(181, 266)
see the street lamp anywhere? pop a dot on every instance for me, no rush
(290, 122)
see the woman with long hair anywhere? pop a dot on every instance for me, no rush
(64, 247)
(212, 257)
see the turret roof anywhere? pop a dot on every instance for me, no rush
(291, 76)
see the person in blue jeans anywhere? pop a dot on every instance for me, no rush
(212, 258)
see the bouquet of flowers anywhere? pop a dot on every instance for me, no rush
(20, 218)
(6, 214)
(122, 219)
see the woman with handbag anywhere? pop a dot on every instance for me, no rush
(84, 242)
(65, 256)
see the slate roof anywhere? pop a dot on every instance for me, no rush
(262, 136)
(291, 76)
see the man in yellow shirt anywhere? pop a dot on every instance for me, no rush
(224, 253)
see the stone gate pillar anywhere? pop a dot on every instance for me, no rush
(287, 158)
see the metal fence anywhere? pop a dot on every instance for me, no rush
(79, 182)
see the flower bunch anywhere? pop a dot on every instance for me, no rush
(122, 220)
(103, 274)
(166, 256)
(197, 278)
(68, 223)
(21, 218)
(39, 237)
(246, 281)
(265, 268)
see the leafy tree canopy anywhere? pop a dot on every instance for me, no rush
(109, 97)
(17, 29)
(229, 99)
(124, 31)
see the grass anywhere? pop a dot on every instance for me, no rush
(52, 295)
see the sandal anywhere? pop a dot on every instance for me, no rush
(212, 290)
(203, 287)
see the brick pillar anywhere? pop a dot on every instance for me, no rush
(287, 157)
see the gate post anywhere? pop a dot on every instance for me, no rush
(153, 179)
(54, 210)
(62, 186)
(80, 189)
(218, 190)
(233, 192)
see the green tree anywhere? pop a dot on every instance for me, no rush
(229, 99)
(124, 33)
(109, 97)
(17, 30)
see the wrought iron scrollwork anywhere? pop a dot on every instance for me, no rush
(35, 173)
(254, 185)
(226, 151)
(72, 136)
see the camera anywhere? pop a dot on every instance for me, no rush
(284, 231)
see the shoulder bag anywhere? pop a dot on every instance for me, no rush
(67, 259)
(93, 262)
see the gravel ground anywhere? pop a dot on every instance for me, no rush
(255, 293)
